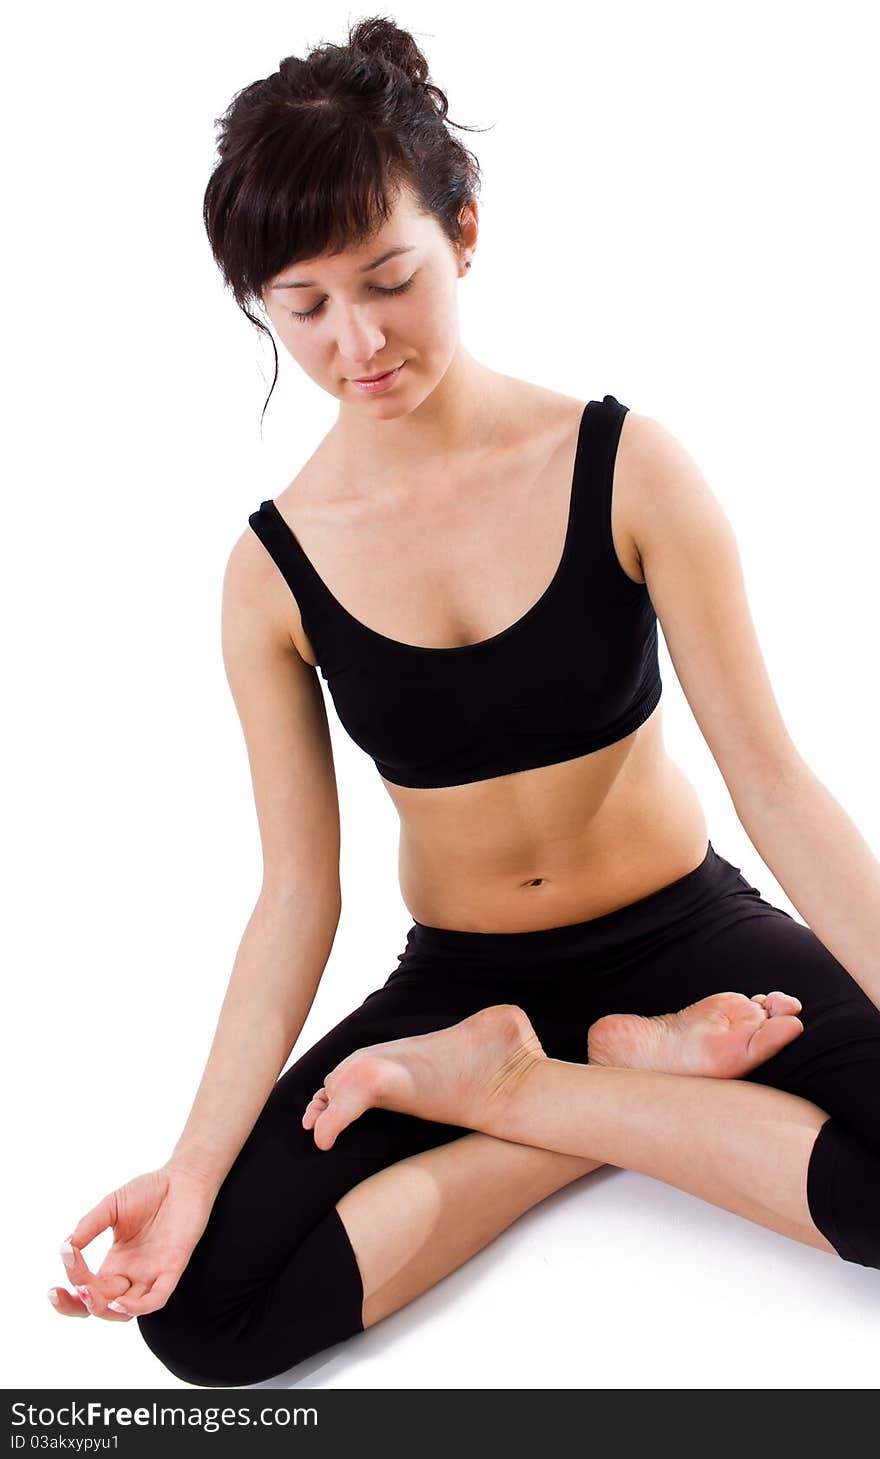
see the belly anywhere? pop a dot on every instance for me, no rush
(550, 846)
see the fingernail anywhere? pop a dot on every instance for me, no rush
(52, 1294)
(67, 1255)
(86, 1297)
(115, 1307)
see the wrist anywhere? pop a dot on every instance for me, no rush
(197, 1167)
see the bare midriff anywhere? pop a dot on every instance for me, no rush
(550, 846)
(542, 847)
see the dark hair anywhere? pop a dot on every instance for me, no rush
(312, 159)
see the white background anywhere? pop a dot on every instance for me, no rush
(677, 209)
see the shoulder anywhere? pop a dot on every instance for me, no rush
(660, 487)
(253, 582)
(562, 415)
(650, 448)
(255, 597)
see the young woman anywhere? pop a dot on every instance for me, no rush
(475, 565)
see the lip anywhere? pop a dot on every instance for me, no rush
(373, 383)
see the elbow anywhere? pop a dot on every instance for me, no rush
(302, 897)
(773, 786)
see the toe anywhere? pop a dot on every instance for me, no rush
(352, 1093)
(334, 1119)
(324, 1131)
(772, 1035)
(778, 1003)
(315, 1107)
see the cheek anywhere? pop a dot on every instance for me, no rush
(433, 314)
(301, 341)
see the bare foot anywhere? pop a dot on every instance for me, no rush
(444, 1076)
(723, 1036)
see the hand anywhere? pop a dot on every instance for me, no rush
(157, 1220)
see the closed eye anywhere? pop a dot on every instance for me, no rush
(312, 314)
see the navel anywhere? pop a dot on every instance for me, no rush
(537, 881)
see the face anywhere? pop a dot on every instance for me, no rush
(342, 320)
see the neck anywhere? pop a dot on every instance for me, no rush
(461, 415)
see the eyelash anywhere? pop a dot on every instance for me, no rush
(304, 318)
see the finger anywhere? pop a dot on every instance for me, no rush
(75, 1264)
(88, 1284)
(97, 1301)
(142, 1299)
(98, 1219)
(67, 1304)
(127, 1301)
(102, 1216)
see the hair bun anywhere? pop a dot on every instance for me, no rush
(378, 36)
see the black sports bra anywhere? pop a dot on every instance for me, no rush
(577, 671)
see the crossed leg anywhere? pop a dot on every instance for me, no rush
(792, 1143)
(306, 1244)
(414, 1222)
(738, 1145)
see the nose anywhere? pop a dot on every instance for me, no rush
(359, 339)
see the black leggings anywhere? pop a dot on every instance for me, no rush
(274, 1277)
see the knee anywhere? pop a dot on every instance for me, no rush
(249, 1329)
(247, 1342)
(201, 1333)
(198, 1348)
(843, 1193)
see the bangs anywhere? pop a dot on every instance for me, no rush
(300, 193)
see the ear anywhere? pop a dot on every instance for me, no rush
(469, 222)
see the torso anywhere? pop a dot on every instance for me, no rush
(469, 553)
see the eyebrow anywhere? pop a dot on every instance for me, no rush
(364, 268)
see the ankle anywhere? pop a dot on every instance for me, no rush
(510, 1090)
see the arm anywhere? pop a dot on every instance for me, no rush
(692, 567)
(824, 865)
(276, 973)
(289, 936)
